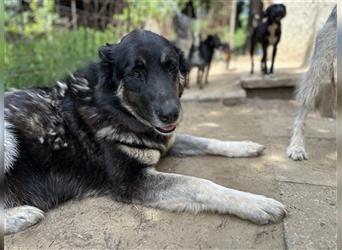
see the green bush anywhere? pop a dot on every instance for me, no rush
(43, 60)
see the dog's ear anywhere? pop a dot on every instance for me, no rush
(108, 58)
(284, 8)
(106, 52)
(267, 12)
(183, 69)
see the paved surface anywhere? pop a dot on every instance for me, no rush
(308, 189)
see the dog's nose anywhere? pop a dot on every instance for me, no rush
(169, 115)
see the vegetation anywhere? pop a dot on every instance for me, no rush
(41, 49)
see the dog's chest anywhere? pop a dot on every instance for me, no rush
(272, 38)
(147, 151)
(197, 59)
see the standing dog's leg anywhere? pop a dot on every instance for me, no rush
(319, 70)
(175, 192)
(251, 52)
(273, 57)
(228, 60)
(198, 76)
(20, 218)
(207, 73)
(264, 59)
(201, 77)
(296, 149)
(192, 145)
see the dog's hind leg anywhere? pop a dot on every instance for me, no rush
(19, 218)
(206, 73)
(192, 145)
(180, 193)
(319, 71)
(200, 78)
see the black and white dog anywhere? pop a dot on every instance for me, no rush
(268, 33)
(200, 56)
(102, 131)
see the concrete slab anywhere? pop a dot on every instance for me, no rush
(269, 81)
(320, 169)
(311, 223)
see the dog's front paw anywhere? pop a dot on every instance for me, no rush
(261, 210)
(20, 218)
(250, 149)
(296, 153)
(244, 149)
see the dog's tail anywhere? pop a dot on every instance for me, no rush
(10, 152)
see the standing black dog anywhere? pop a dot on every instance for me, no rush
(268, 33)
(200, 56)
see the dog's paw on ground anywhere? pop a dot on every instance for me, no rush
(261, 210)
(297, 153)
(250, 149)
(20, 218)
(242, 149)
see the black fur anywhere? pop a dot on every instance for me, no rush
(262, 34)
(63, 156)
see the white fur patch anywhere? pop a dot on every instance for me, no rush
(195, 195)
(235, 148)
(145, 156)
(272, 39)
(111, 133)
(11, 150)
(19, 218)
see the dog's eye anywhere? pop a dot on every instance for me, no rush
(172, 68)
(136, 74)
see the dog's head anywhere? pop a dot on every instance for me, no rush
(275, 12)
(213, 41)
(146, 73)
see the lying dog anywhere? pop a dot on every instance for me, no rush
(321, 68)
(268, 33)
(200, 56)
(103, 130)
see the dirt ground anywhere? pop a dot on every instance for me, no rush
(308, 189)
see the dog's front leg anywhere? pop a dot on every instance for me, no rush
(264, 59)
(192, 145)
(175, 192)
(273, 57)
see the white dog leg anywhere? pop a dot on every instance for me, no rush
(193, 145)
(19, 218)
(180, 193)
(296, 149)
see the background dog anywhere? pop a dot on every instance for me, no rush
(226, 53)
(102, 130)
(321, 69)
(268, 33)
(200, 56)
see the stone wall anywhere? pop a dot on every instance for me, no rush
(303, 20)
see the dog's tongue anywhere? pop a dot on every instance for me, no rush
(168, 128)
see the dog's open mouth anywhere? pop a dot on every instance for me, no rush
(167, 129)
